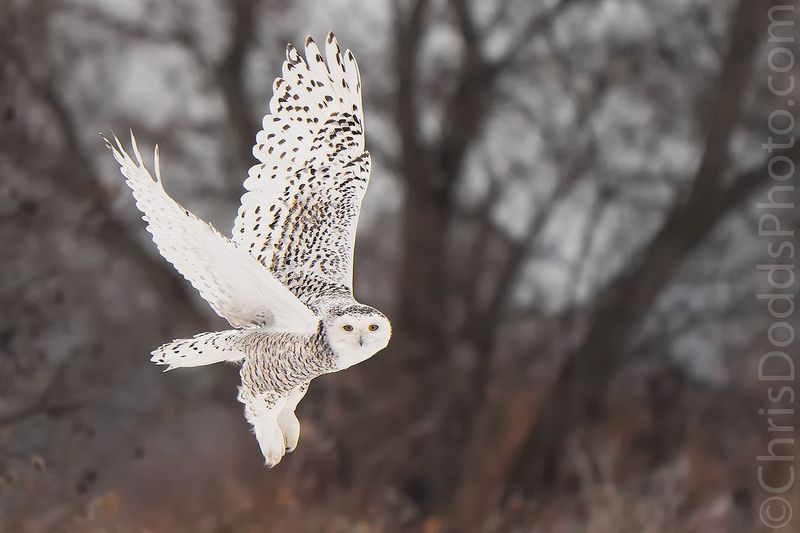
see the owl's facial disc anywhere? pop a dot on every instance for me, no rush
(358, 336)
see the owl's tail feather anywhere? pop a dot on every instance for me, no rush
(202, 349)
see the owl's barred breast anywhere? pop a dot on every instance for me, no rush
(280, 362)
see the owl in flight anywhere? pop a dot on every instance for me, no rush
(284, 280)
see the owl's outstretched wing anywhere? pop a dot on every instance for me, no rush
(300, 215)
(238, 288)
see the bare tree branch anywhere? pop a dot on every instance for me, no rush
(84, 184)
(536, 24)
(230, 76)
(624, 303)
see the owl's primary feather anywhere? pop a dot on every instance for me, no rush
(300, 215)
(285, 278)
(228, 278)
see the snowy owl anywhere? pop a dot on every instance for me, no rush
(284, 280)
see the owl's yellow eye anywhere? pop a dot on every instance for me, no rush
(373, 327)
(347, 327)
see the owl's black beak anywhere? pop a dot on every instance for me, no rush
(360, 340)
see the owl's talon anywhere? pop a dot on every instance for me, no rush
(290, 427)
(270, 439)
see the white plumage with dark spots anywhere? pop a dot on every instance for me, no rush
(284, 280)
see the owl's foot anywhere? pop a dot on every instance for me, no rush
(287, 420)
(270, 439)
(262, 411)
(290, 427)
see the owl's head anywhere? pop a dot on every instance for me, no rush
(357, 332)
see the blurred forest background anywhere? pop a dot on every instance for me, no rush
(561, 224)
